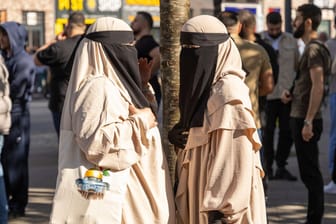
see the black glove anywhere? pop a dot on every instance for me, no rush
(178, 136)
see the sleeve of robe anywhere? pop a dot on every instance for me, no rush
(234, 183)
(108, 136)
(233, 175)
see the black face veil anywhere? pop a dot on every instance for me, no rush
(198, 61)
(124, 60)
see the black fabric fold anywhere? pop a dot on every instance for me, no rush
(124, 60)
(197, 71)
(108, 37)
(203, 39)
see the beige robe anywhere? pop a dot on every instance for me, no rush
(140, 187)
(220, 169)
(98, 130)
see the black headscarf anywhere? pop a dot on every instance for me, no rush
(123, 57)
(197, 71)
(198, 61)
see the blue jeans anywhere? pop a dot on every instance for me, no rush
(57, 121)
(3, 196)
(15, 159)
(332, 133)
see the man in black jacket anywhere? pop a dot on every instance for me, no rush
(56, 55)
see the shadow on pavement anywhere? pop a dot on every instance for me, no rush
(39, 207)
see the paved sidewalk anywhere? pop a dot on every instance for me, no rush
(286, 204)
(287, 201)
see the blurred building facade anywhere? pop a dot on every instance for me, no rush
(37, 16)
(262, 7)
(46, 18)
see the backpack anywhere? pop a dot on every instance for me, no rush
(327, 73)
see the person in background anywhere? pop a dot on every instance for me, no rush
(21, 69)
(255, 61)
(330, 188)
(331, 45)
(306, 102)
(247, 32)
(56, 55)
(333, 175)
(218, 162)
(108, 124)
(147, 47)
(5, 123)
(277, 112)
(323, 37)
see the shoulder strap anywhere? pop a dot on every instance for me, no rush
(326, 73)
(321, 44)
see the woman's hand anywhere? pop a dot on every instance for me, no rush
(286, 96)
(307, 132)
(145, 68)
(178, 137)
(146, 113)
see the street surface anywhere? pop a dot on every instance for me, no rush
(286, 203)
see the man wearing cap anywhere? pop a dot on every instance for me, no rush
(56, 55)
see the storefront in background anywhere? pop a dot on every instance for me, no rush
(254, 8)
(92, 9)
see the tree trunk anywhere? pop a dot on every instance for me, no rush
(173, 14)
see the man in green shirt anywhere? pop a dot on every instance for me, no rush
(306, 98)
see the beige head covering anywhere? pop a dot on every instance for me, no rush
(91, 60)
(228, 85)
(211, 35)
(229, 61)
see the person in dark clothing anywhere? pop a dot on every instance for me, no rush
(148, 48)
(56, 55)
(21, 70)
(306, 101)
(333, 174)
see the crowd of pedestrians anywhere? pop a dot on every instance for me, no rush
(237, 88)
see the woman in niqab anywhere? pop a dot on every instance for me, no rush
(107, 124)
(218, 163)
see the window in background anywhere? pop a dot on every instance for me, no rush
(34, 22)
